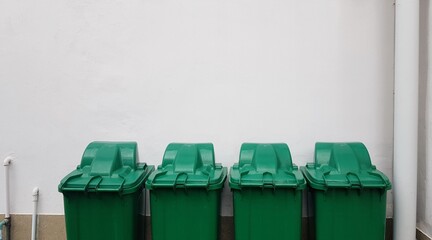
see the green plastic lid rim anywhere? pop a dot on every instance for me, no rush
(151, 184)
(236, 185)
(324, 187)
(122, 191)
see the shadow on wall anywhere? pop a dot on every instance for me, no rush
(424, 118)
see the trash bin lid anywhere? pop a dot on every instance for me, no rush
(107, 167)
(265, 166)
(188, 166)
(343, 165)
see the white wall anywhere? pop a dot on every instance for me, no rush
(225, 71)
(424, 178)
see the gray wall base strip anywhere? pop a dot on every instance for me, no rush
(420, 235)
(52, 227)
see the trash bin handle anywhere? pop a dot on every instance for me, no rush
(264, 183)
(380, 176)
(208, 183)
(325, 179)
(206, 172)
(120, 188)
(176, 179)
(91, 179)
(77, 175)
(241, 175)
(355, 175)
(294, 176)
(157, 174)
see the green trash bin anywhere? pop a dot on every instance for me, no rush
(348, 193)
(267, 193)
(104, 196)
(185, 193)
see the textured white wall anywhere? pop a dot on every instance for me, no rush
(424, 178)
(225, 71)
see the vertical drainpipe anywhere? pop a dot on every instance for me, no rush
(6, 222)
(405, 118)
(34, 215)
(6, 165)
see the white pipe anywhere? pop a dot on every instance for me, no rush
(34, 216)
(405, 118)
(6, 164)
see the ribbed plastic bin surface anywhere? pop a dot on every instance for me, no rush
(104, 196)
(348, 193)
(267, 193)
(185, 193)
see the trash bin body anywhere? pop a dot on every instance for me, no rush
(185, 193)
(104, 216)
(104, 197)
(348, 194)
(185, 214)
(267, 193)
(350, 214)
